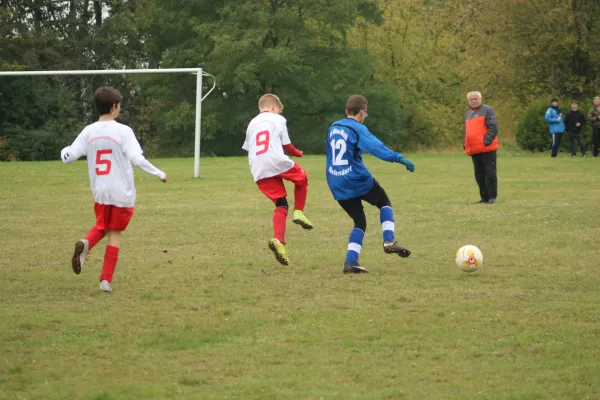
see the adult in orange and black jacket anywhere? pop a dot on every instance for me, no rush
(481, 143)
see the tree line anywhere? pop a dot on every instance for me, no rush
(414, 59)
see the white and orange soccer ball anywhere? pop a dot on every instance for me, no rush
(469, 258)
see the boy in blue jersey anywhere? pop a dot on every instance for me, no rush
(351, 182)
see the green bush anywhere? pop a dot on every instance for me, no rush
(532, 130)
(36, 145)
(6, 153)
(44, 143)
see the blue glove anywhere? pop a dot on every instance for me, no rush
(407, 163)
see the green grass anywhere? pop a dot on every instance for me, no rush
(201, 309)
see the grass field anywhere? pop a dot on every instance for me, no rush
(201, 309)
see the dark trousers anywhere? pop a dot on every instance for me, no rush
(354, 208)
(555, 143)
(595, 140)
(485, 174)
(576, 136)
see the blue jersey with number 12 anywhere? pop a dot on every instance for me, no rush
(347, 175)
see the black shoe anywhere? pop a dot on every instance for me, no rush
(354, 268)
(77, 258)
(482, 201)
(492, 201)
(395, 248)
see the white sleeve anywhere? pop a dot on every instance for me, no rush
(131, 146)
(246, 145)
(285, 136)
(145, 165)
(77, 149)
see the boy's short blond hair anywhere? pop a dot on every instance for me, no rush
(268, 100)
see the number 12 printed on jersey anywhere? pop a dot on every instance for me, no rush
(337, 159)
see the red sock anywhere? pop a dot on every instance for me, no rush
(300, 193)
(94, 236)
(110, 262)
(279, 216)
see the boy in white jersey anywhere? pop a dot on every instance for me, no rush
(266, 139)
(110, 148)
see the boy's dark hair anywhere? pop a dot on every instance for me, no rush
(355, 104)
(105, 97)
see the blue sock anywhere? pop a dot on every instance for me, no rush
(354, 245)
(386, 216)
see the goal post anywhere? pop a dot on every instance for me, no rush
(199, 98)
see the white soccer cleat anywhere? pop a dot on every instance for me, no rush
(105, 286)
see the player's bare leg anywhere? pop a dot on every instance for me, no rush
(79, 255)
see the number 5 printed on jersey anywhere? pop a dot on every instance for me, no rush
(338, 159)
(103, 162)
(262, 141)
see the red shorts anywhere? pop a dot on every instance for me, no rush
(112, 218)
(273, 186)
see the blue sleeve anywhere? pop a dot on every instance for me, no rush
(371, 144)
(550, 118)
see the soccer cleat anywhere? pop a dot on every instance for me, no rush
(300, 219)
(482, 201)
(395, 248)
(492, 201)
(354, 268)
(279, 250)
(81, 251)
(105, 286)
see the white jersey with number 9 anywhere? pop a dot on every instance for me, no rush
(265, 137)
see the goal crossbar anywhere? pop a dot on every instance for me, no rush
(199, 98)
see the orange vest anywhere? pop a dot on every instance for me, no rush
(476, 129)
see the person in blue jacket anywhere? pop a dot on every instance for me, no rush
(351, 182)
(554, 118)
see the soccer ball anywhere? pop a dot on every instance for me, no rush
(469, 258)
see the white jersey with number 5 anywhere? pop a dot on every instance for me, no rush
(110, 148)
(265, 137)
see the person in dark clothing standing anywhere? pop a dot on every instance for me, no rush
(574, 121)
(481, 143)
(594, 117)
